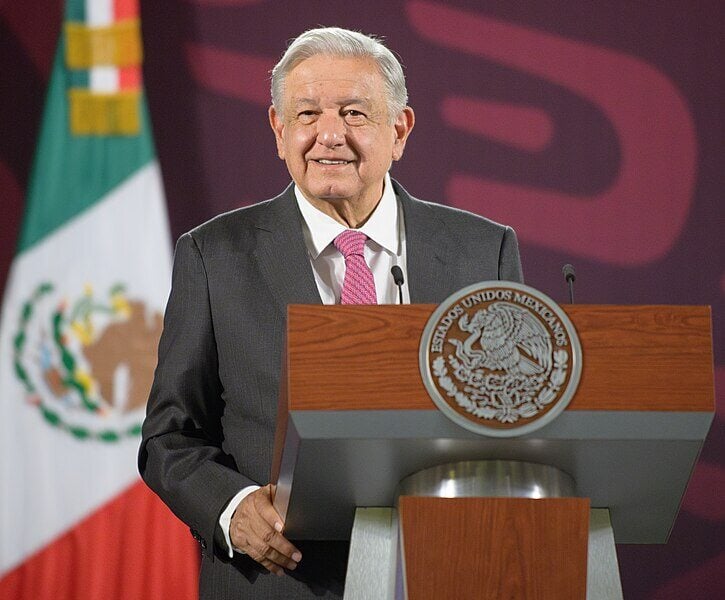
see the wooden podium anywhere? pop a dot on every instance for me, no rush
(355, 420)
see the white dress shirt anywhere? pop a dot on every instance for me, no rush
(384, 249)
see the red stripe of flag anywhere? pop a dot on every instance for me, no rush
(125, 9)
(132, 548)
(129, 78)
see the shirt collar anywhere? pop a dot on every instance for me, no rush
(382, 226)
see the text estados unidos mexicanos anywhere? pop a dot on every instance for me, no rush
(439, 335)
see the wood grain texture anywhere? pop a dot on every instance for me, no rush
(644, 358)
(495, 547)
(366, 357)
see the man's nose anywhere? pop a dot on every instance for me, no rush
(330, 130)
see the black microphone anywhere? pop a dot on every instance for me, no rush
(397, 274)
(570, 276)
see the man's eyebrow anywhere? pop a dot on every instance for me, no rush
(305, 101)
(348, 101)
(343, 102)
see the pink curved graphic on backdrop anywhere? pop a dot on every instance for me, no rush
(639, 217)
(524, 127)
(234, 74)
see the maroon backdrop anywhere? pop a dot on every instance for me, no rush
(596, 129)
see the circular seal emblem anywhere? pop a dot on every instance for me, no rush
(500, 358)
(87, 362)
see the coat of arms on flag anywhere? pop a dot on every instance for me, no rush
(87, 364)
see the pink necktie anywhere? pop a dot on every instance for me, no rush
(359, 285)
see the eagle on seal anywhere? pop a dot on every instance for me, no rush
(504, 337)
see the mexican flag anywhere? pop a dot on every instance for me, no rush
(80, 324)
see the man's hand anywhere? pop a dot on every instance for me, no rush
(256, 529)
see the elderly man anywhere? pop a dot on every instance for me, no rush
(340, 117)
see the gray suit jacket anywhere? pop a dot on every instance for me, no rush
(210, 421)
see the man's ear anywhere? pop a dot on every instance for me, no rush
(277, 125)
(403, 125)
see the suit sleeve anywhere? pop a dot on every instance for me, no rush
(180, 456)
(509, 261)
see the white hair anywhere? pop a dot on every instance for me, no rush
(334, 41)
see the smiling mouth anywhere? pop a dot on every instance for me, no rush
(325, 161)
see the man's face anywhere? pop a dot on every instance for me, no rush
(335, 133)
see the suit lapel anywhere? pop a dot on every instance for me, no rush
(282, 254)
(429, 250)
